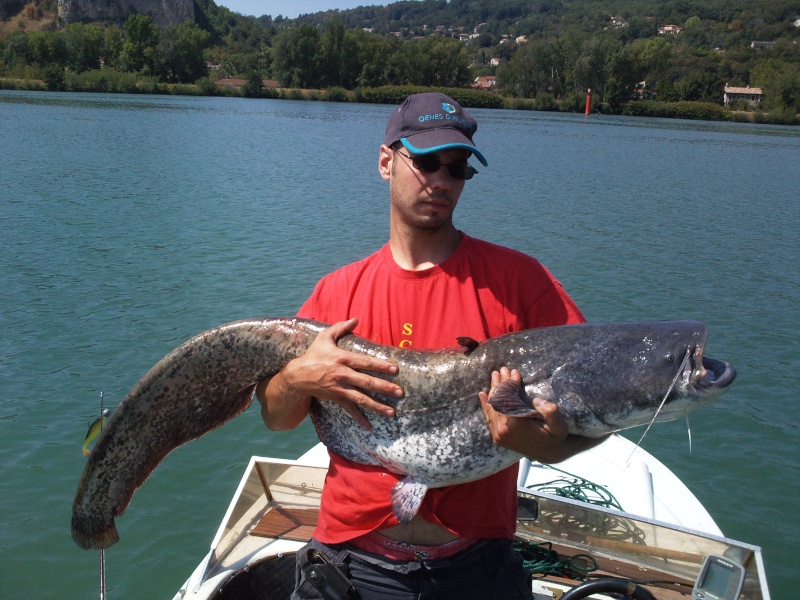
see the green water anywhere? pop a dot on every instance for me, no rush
(128, 224)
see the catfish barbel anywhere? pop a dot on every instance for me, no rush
(604, 377)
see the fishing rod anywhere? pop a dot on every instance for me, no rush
(102, 550)
(94, 430)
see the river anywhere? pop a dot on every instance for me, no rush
(130, 223)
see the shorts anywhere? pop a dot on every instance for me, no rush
(488, 569)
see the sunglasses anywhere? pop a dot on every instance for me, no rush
(429, 163)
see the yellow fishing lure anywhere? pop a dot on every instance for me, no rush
(94, 430)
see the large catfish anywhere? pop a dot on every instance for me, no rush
(604, 377)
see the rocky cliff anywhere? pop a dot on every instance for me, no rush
(163, 12)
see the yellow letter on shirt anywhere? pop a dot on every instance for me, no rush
(407, 330)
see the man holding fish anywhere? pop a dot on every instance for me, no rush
(429, 286)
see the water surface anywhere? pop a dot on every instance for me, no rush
(130, 223)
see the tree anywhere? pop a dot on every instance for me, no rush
(375, 54)
(654, 57)
(16, 52)
(780, 82)
(296, 57)
(435, 61)
(331, 54)
(84, 46)
(254, 87)
(181, 53)
(529, 71)
(139, 50)
(54, 77)
(113, 41)
(594, 66)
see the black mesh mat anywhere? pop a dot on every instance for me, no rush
(269, 579)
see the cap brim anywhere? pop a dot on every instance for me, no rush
(444, 145)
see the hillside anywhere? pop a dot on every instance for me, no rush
(37, 15)
(548, 51)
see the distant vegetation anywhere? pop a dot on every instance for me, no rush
(639, 56)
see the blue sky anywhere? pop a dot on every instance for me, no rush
(292, 8)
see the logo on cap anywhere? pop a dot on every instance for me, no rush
(448, 108)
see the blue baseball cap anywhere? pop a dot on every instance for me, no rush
(430, 122)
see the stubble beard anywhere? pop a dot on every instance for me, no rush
(417, 215)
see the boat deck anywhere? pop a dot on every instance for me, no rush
(298, 524)
(288, 523)
(276, 507)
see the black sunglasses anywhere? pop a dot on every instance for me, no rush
(429, 163)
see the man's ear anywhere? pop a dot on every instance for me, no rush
(385, 158)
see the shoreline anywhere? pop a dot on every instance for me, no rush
(111, 82)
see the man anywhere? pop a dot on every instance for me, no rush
(429, 285)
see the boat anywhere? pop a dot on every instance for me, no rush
(654, 539)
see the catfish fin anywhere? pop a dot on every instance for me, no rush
(407, 495)
(537, 385)
(510, 399)
(469, 343)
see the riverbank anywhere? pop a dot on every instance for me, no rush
(110, 81)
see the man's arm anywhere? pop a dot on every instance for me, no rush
(329, 373)
(545, 439)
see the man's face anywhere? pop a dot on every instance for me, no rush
(419, 199)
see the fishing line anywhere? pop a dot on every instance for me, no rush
(660, 406)
(689, 431)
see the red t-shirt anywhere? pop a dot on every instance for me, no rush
(481, 291)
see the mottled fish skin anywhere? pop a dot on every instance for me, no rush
(605, 377)
(196, 388)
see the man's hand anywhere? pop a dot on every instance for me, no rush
(328, 373)
(543, 437)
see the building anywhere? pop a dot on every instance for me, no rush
(485, 83)
(669, 30)
(747, 94)
(618, 22)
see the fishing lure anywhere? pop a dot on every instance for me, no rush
(94, 430)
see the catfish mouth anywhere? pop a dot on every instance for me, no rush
(709, 374)
(718, 374)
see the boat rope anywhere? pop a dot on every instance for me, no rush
(577, 488)
(540, 559)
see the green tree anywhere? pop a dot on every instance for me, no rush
(435, 61)
(296, 57)
(84, 45)
(39, 48)
(139, 50)
(16, 52)
(450, 61)
(181, 52)
(113, 42)
(529, 71)
(331, 54)
(566, 52)
(374, 54)
(254, 88)
(351, 65)
(54, 77)
(780, 83)
(654, 57)
(594, 66)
